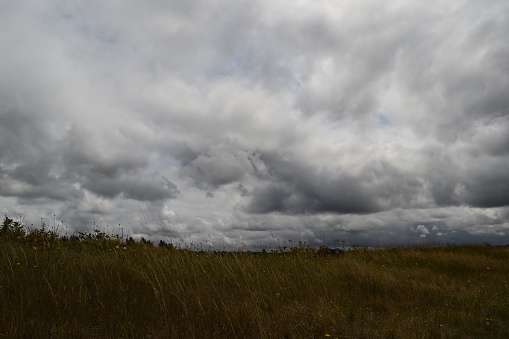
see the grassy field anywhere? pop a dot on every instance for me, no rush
(101, 287)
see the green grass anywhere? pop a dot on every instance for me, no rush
(64, 289)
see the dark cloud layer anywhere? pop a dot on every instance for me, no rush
(238, 124)
(294, 188)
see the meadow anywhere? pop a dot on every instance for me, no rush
(98, 286)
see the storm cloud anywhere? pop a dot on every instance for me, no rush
(245, 123)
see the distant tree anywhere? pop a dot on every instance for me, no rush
(164, 244)
(324, 251)
(146, 242)
(12, 229)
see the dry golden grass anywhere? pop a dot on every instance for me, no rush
(85, 291)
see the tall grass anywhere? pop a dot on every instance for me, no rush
(108, 290)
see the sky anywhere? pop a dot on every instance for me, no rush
(236, 123)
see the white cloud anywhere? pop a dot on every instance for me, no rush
(422, 229)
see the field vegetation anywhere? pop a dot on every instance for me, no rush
(98, 286)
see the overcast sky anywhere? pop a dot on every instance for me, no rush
(250, 123)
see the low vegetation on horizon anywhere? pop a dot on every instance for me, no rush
(97, 286)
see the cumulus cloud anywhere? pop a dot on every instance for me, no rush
(242, 123)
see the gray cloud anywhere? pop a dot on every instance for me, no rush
(108, 171)
(133, 187)
(219, 165)
(488, 183)
(298, 189)
(27, 160)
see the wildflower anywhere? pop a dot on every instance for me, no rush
(327, 335)
(17, 264)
